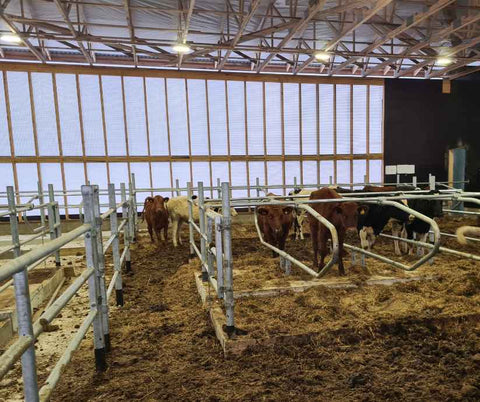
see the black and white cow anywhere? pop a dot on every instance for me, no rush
(373, 223)
(430, 208)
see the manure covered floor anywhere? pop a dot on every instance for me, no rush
(376, 343)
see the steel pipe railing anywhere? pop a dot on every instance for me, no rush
(94, 275)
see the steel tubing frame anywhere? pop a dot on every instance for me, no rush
(23, 347)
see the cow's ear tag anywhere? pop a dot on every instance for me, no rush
(362, 212)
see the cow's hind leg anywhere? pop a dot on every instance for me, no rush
(150, 232)
(175, 232)
(165, 233)
(179, 232)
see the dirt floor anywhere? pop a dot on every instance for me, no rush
(413, 341)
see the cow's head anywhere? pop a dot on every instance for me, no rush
(276, 216)
(159, 203)
(349, 212)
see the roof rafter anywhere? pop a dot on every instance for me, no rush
(453, 27)
(16, 31)
(131, 30)
(244, 22)
(298, 27)
(65, 17)
(407, 24)
(380, 4)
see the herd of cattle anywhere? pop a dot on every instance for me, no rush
(368, 219)
(276, 221)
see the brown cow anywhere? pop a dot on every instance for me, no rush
(343, 215)
(275, 222)
(156, 215)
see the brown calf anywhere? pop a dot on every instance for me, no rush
(156, 215)
(275, 222)
(343, 215)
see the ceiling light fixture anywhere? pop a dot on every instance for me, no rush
(181, 48)
(322, 56)
(444, 61)
(10, 38)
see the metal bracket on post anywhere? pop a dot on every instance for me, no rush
(101, 266)
(190, 219)
(112, 203)
(52, 221)
(126, 229)
(219, 188)
(24, 309)
(177, 185)
(201, 218)
(42, 210)
(219, 253)
(94, 293)
(210, 225)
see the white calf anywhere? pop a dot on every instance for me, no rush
(178, 212)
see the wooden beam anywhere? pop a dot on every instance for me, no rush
(156, 73)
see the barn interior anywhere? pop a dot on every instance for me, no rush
(145, 145)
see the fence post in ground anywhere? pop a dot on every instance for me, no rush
(53, 224)
(133, 209)
(126, 228)
(201, 219)
(100, 257)
(228, 266)
(112, 203)
(190, 218)
(257, 186)
(94, 293)
(24, 309)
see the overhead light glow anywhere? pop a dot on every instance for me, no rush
(10, 38)
(181, 48)
(322, 56)
(444, 61)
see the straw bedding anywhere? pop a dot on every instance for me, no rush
(373, 343)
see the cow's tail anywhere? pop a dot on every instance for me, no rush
(463, 230)
(147, 200)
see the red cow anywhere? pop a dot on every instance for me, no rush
(156, 215)
(275, 222)
(343, 215)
